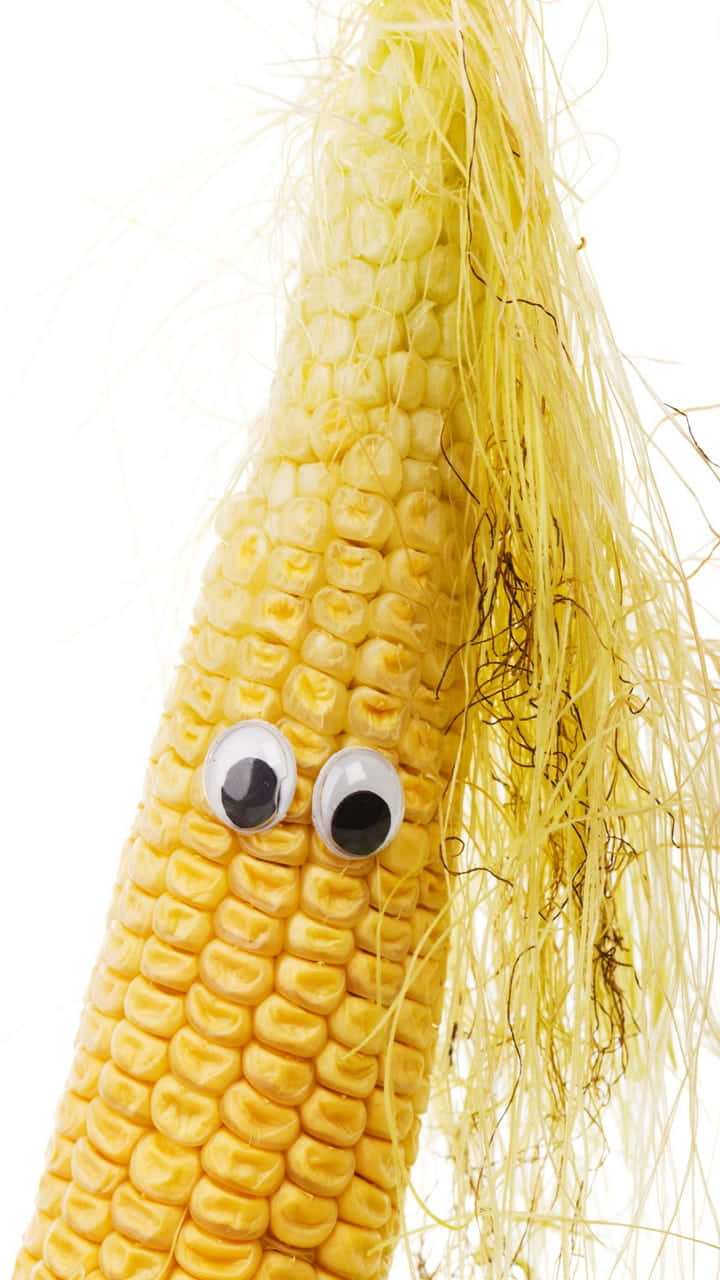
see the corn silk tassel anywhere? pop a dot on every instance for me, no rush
(432, 555)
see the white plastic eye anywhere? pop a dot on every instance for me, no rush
(250, 776)
(358, 802)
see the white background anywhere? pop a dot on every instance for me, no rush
(137, 333)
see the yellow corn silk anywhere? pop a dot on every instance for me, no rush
(255, 1049)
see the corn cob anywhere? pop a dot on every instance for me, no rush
(434, 536)
(254, 1054)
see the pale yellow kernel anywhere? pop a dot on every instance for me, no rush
(441, 386)
(138, 1052)
(281, 1078)
(305, 523)
(300, 1218)
(282, 1025)
(247, 700)
(389, 666)
(202, 693)
(346, 1070)
(395, 423)
(114, 1136)
(378, 332)
(92, 1171)
(262, 660)
(423, 520)
(417, 228)
(420, 477)
(179, 923)
(58, 1156)
(50, 1194)
(287, 845)
(237, 511)
(281, 1266)
(244, 926)
(406, 373)
(423, 329)
(280, 616)
(134, 909)
(167, 965)
(315, 699)
(331, 336)
(329, 653)
(279, 480)
(371, 231)
(397, 895)
(107, 991)
(36, 1232)
(422, 794)
(362, 382)
(66, 1253)
(374, 978)
(421, 745)
(220, 1020)
(258, 1120)
(410, 573)
(124, 1094)
(351, 291)
(395, 617)
(318, 1168)
(70, 1115)
(188, 737)
(357, 1023)
(397, 287)
(164, 1170)
(86, 1214)
(123, 1259)
(183, 1114)
(334, 427)
(228, 1214)
(242, 1166)
(351, 1252)
(332, 1118)
(317, 480)
(409, 852)
(440, 272)
(274, 890)
(244, 558)
(426, 429)
(361, 517)
(27, 1267)
(332, 897)
(378, 1160)
(229, 608)
(342, 613)
(365, 1204)
(152, 1009)
(205, 1257)
(146, 866)
(373, 465)
(206, 836)
(201, 1063)
(194, 880)
(389, 1116)
(146, 1222)
(383, 935)
(353, 568)
(234, 974)
(310, 748)
(376, 717)
(425, 976)
(310, 985)
(289, 435)
(317, 940)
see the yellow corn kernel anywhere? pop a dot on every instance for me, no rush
(241, 1165)
(278, 1076)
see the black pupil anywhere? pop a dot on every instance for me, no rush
(360, 823)
(250, 793)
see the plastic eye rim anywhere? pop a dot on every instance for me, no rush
(320, 822)
(288, 783)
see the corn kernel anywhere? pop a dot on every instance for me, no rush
(279, 1077)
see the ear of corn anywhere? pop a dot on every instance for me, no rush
(433, 558)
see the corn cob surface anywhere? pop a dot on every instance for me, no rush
(254, 1055)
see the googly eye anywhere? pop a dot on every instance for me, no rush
(358, 802)
(250, 776)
